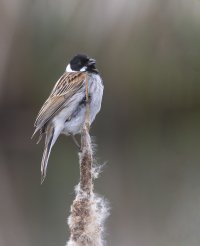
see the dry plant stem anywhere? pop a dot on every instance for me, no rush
(86, 162)
(80, 210)
(86, 156)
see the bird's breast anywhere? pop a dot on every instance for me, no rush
(74, 123)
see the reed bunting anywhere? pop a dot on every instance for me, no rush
(64, 110)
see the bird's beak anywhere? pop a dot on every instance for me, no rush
(91, 61)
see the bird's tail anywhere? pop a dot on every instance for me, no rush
(49, 142)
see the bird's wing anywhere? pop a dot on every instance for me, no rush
(64, 89)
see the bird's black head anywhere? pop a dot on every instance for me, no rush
(83, 63)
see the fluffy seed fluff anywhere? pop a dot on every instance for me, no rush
(88, 211)
(86, 221)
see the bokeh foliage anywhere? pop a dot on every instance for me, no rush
(148, 53)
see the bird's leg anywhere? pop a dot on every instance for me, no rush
(76, 142)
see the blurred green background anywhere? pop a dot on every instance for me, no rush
(148, 131)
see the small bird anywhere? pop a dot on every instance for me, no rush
(64, 110)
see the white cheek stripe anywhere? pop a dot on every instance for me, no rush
(83, 69)
(68, 69)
